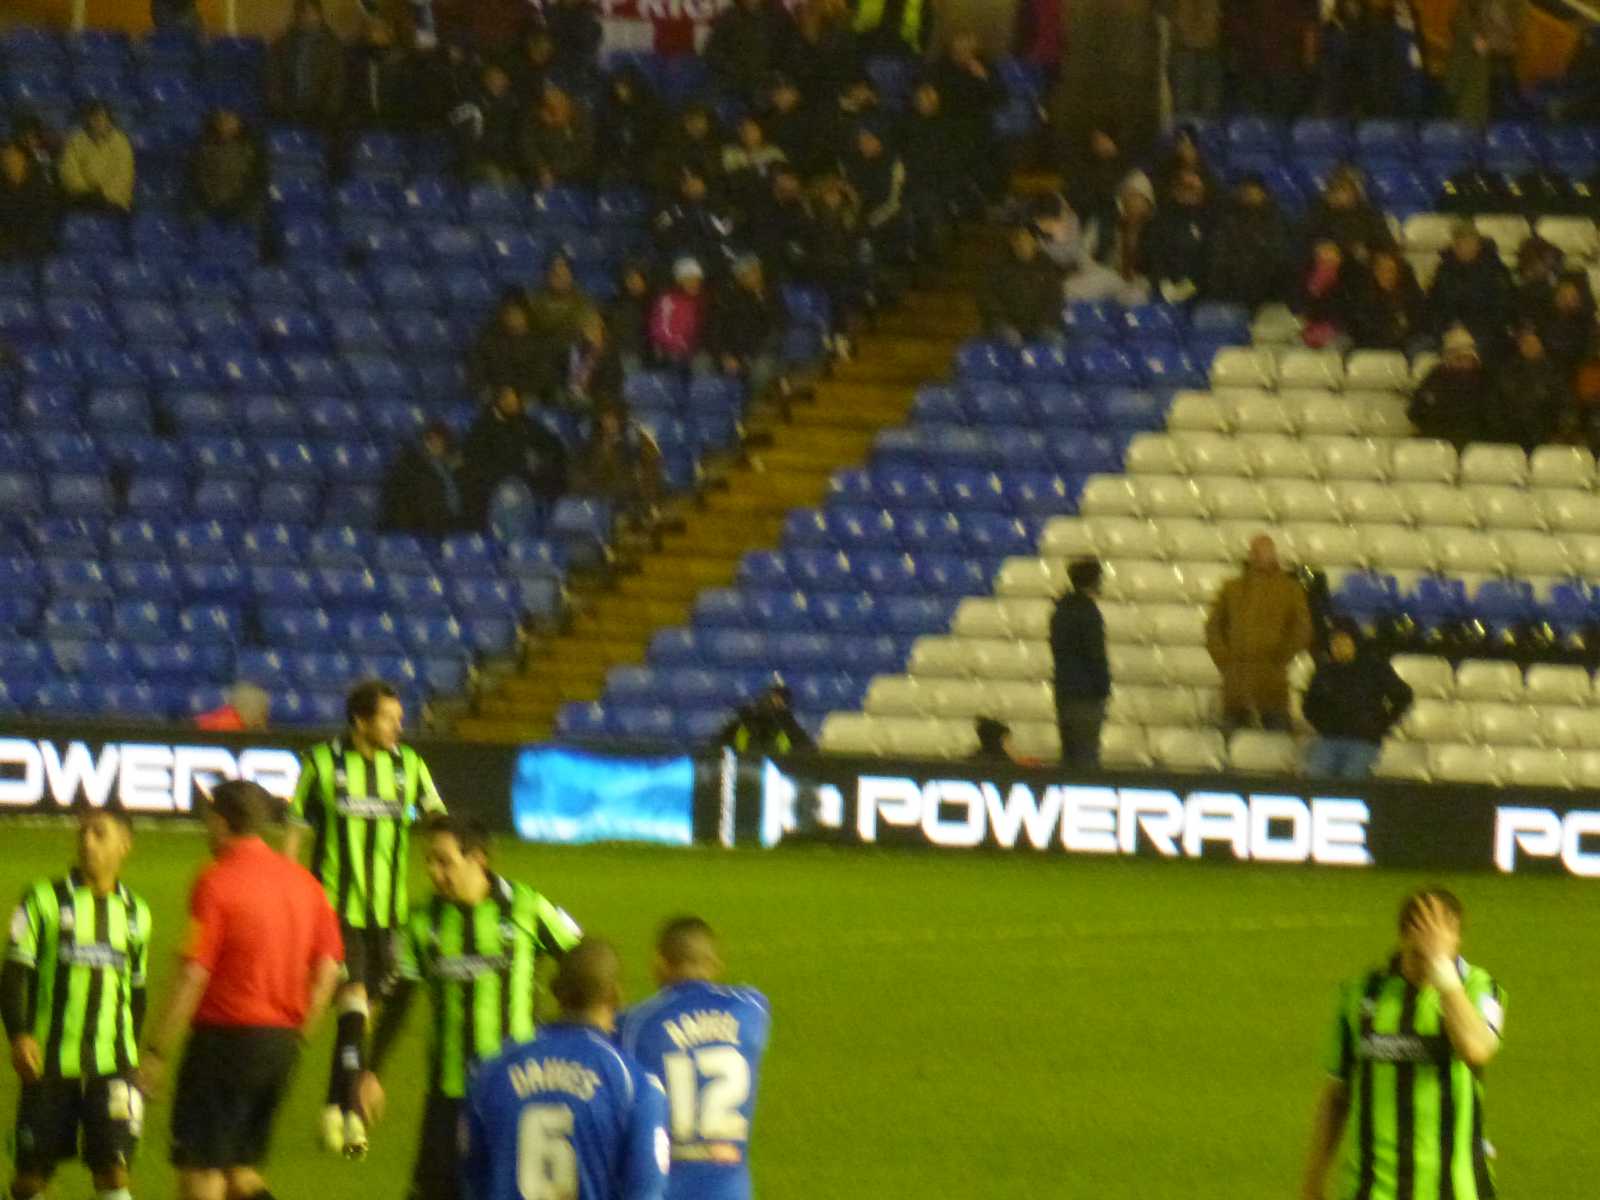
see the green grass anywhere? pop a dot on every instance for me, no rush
(1000, 1027)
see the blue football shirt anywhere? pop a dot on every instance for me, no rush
(705, 1042)
(566, 1116)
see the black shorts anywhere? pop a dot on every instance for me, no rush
(437, 1173)
(229, 1088)
(369, 957)
(50, 1113)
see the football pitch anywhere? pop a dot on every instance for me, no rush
(983, 1026)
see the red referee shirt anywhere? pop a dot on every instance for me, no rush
(259, 924)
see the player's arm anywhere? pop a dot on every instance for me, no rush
(17, 989)
(1472, 1024)
(139, 971)
(476, 1175)
(391, 1021)
(299, 809)
(1327, 1127)
(174, 1019)
(327, 955)
(649, 1149)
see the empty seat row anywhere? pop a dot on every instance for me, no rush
(1309, 411)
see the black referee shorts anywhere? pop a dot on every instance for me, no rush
(229, 1088)
(437, 1174)
(50, 1114)
(369, 957)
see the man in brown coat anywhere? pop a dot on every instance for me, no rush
(1258, 623)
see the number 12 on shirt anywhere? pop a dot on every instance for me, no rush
(705, 1090)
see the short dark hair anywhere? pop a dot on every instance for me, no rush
(1414, 902)
(243, 805)
(588, 972)
(362, 702)
(470, 833)
(684, 939)
(1084, 574)
(992, 733)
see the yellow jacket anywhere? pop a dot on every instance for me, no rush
(103, 168)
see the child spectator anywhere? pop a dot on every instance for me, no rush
(488, 129)
(556, 310)
(1252, 248)
(97, 163)
(746, 328)
(1021, 295)
(28, 207)
(678, 318)
(1390, 312)
(1329, 291)
(227, 175)
(557, 143)
(1184, 155)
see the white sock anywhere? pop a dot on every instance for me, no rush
(118, 1194)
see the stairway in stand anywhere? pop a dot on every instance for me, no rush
(615, 617)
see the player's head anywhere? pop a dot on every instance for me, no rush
(104, 838)
(1084, 575)
(238, 808)
(375, 713)
(1417, 904)
(686, 948)
(457, 855)
(588, 983)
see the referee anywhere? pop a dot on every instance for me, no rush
(72, 993)
(478, 945)
(359, 795)
(259, 967)
(1410, 1043)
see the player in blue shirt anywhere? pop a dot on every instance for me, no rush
(567, 1116)
(705, 1041)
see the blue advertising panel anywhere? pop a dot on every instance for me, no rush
(565, 795)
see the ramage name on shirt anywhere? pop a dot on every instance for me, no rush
(701, 1027)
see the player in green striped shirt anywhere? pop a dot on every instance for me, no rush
(72, 993)
(478, 946)
(359, 795)
(1410, 1042)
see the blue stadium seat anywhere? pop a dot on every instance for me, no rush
(62, 278)
(153, 580)
(377, 375)
(997, 404)
(202, 413)
(926, 531)
(349, 588)
(297, 627)
(974, 491)
(1022, 449)
(65, 450)
(176, 369)
(245, 371)
(219, 327)
(1103, 365)
(221, 582)
(48, 407)
(333, 287)
(287, 459)
(311, 374)
(1434, 600)
(204, 541)
(953, 575)
(119, 409)
(155, 495)
(75, 616)
(80, 494)
(420, 334)
(415, 592)
(351, 462)
(881, 572)
(844, 612)
(143, 619)
(209, 623)
(981, 359)
(1129, 410)
(468, 555)
(226, 499)
(82, 536)
(282, 586)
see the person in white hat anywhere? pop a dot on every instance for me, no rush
(1453, 402)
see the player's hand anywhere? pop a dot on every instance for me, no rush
(370, 1097)
(26, 1058)
(1434, 932)
(151, 1074)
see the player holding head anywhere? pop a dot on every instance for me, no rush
(567, 1115)
(72, 992)
(1409, 1046)
(478, 946)
(704, 1041)
(359, 795)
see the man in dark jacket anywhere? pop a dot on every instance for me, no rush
(748, 41)
(488, 129)
(1355, 698)
(1533, 398)
(766, 726)
(784, 229)
(508, 353)
(1082, 675)
(1021, 296)
(970, 91)
(747, 327)
(1452, 403)
(1178, 247)
(507, 444)
(28, 207)
(420, 492)
(1472, 288)
(380, 80)
(305, 70)
(693, 223)
(557, 142)
(936, 183)
(574, 26)
(1252, 248)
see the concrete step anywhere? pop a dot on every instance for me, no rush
(937, 322)
(785, 458)
(500, 731)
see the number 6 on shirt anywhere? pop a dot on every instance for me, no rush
(547, 1165)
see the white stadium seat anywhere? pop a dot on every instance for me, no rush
(1150, 582)
(958, 698)
(1022, 576)
(1018, 700)
(1348, 457)
(1500, 507)
(1124, 746)
(1529, 767)
(1239, 366)
(1571, 727)
(1127, 537)
(896, 696)
(1583, 549)
(1263, 753)
(1569, 510)
(1403, 760)
(849, 733)
(1393, 548)
(1324, 545)
(1430, 678)
(1136, 664)
(1234, 499)
(1436, 721)
(1462, 763)
(1377, 370)
(1439, 504)
(1176, 624)
(1484, 679)
(1383, 414)
(1550, 684)
(1188, 749)
(994, 659)
(1212, 454)
(1190, 666)
(1145, 704)
(1165, 496)
(1311, 369)
(1507, 230)
(1036, 739)
(1422, 365)
(1506, 725)
(1466, 551)
(929, 738)
(1529, 555)
(1300, 500)
(1238, 534)
(1202, 581)
(1274, 324)
(981, 617)
(1201, 411)
(1366, 502)
(1486, 463)
(1066, 537)
(1575, 237)
(1251, 410)
(1109, 495)
(1561, 467)
(1278, 456)
(1423, 460)
(1324, 413)
(1125, 623)
(1426, 233)
(1586, 768)
(1195, 540)
(941, 657)
(1426, 265)
(1154, 454)
(1026, 617)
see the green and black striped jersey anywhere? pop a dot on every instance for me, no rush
(87, 957)
(360, 811)
(479, 962)
(1415, 1129)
